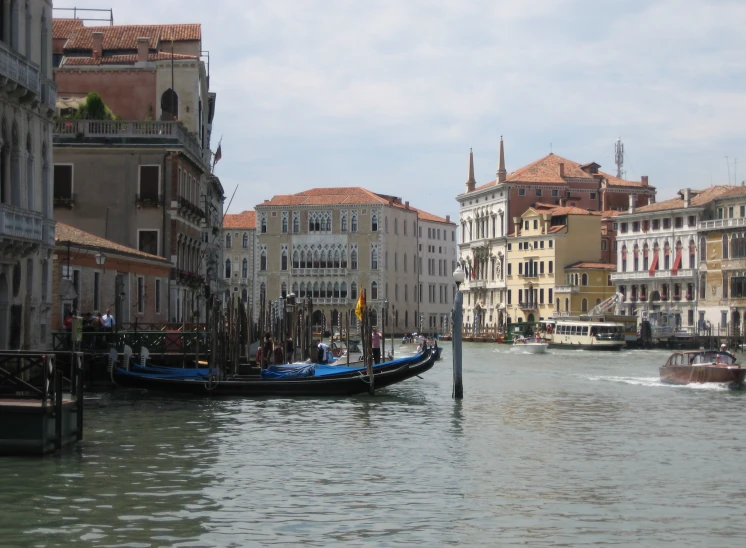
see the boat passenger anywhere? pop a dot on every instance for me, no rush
(267, 350)
(724, 349)
(324, 353)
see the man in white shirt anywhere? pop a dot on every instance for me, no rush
(324, 353)
(107, 321)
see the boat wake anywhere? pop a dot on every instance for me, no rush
(656, 382)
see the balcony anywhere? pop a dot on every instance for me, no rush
(129, 134)
(477, 284)
(319, 271)
(191, 279)
(566, 289)
(190, 209)
(645, 275)
(528, 306)
(21, 231)
(149, 201)
(18, 76)
(330, 300)
(722, 223)
(65, 201)
(49, 96)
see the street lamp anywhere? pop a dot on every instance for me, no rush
(100, 258)
(458, 387)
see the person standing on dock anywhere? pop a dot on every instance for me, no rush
(267, 350)
(375, 342)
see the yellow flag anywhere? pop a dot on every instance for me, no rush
(360, 306)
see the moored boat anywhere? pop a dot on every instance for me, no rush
(703, 366)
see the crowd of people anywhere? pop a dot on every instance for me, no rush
(91, 323)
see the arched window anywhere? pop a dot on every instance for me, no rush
(406, 317)
(284, 260)
(336, 258)
(645, 256)
(373, 317)
(295, 288)
(316, 258)
(315, 290)
(169, 105)
(374, 259)
(374, 222)
(396, 226)
(343, 290)
(336, 290)
(405, 260)
(284, 225)
(702, 249)
(584, 305)
(227, 268)
(245, 295)
(323, 259)
(228, 241)
(374, 291)
(262, 291)
(328, 227)
(245, 269)
(354, 222)
(263, 260)
(296, 224)
(725, 246)
(284, 290)
(396, 292)
(245, 240)
(344, 223)
(344, 258)
(353, 259)
(296, 257)
(353, 290)
(302, 289)
(584, 279)
(264, 224)
(567, 305)
(635, 257)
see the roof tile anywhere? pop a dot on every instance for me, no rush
(125, 59)
(245, 219)
(64, 28)
(125, 37)
(65, 233)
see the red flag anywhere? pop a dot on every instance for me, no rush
(218, 154)
(474, 273)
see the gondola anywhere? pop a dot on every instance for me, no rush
(319, 380)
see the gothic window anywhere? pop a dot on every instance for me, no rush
(343, 221)
(295, 288)
(353, 260)
(353, 290)
(228, 241)
(344, 259)
(323, 259)
(264, 223)
(245, 240)
(353, 226)
(374, 259)
(245, 269)
(284, 260)
(296, 222)
(296, 255)
(336, 290)
(284, 222)
(336, 258)
(227, 268)
(374, 291)
(374, 222)
(284, 290)
(343, 290)
(263, 260)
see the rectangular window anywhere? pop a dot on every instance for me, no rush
(551, 267)
(96, 291)
(550, 296)
(636, 226)
(730, 212)
(551, 244)
(541, 294)
(656, 224)
(604, 245)
(63, 182)
(541, 244)
(555, 193)
(720, 213)
(510, 295)
(147, 241)
(666, 223)
(623, 228)
(743, 211)
(140, 294)
(157, 296)
(614, 227)
(593, 195)
(521, 192)
(679, 222)
(149, 183)
(520, 269)
(538, 192)
(510, 269)
(541, 268)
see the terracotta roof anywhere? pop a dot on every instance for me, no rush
(610, 213)
(121, 37)
(124, 59)
(425, 216)
(596, 266)
(245, 219)
(63, 28)
(66, 233)
(732, 193)
(698, 198)
(327, 196)
(552, 230)
(556, 210)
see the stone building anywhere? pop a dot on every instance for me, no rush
(547, 240)
(27, 105)
(144, 181)
(92, 274)
(237, 268)
(331, 243)
(483, 229)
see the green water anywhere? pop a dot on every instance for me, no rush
(568, 448)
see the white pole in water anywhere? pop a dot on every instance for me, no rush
(458, 387)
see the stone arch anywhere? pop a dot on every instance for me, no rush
(169, 105)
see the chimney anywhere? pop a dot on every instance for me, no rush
(687, 197)
(448, 218)
(142, 50)
(98, 44)
(501, 173)
(562, 169)
(644, 180)
(632, 199)
(406, 204)
(471, 183)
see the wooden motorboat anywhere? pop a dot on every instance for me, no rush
(530, 345)
(703, 366)
(315, 380)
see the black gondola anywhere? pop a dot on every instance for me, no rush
(345, 383)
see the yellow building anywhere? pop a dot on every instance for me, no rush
(586, 285)
(547, 240)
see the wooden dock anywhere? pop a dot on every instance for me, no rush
(41, 410)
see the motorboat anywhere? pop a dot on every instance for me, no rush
(703, 366)
(530, 345)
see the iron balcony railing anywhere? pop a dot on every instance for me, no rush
(20, 71)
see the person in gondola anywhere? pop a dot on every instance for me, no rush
(323, 353)
(279, 358)
(289, 350)
(375, 343)
(267, 350)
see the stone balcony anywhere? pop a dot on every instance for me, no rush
(119, 133)
(342, 301)
(22, 231)
(645, 275)
(19, 77)
(319, 271)
(49, 96)
(722, 223)
(566, 289)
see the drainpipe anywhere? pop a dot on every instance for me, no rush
(163, 234)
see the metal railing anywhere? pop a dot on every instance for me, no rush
(19, 69)
(49, 94)
(682, 273)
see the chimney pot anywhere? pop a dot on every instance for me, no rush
(448, 218)
(632, 199)
(406, 204)
(142, 49)
(562, 169)
(644, 180)
(687, 197)
(98, 44)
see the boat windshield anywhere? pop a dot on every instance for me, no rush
(712, 357)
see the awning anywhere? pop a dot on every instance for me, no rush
(676, 262)
(654, 265)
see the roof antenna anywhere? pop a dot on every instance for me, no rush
(727, 163)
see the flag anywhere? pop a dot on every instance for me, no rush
(360, 306)
(218, 154)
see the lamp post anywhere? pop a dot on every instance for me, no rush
(458, 387)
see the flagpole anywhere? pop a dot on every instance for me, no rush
(173, 91)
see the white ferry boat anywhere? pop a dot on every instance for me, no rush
(587, 335)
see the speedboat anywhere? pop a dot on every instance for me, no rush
(530, 345)
(703, 366)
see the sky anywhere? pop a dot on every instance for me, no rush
(392, 95)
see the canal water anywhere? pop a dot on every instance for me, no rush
(570, 448)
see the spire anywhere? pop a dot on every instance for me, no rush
(471, 183)
(501, 173)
